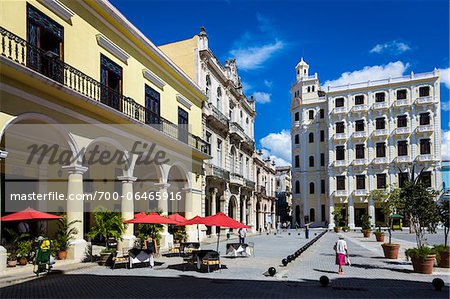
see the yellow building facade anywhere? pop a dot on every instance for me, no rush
(85, 78)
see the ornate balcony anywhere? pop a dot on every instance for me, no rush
(360, 108)
(216, 118)
(339, 110)
(402, 130)
(403, 159)
(380, 105)
(360, 135)
(340, 193)
(250, 184)
(340, 136)
(340, 163)
(425, 100)
(425, 158)
(402, 103)
(237, 179)
(297, 123)
(47, 64)
(359, 162)
(425, 129)
(380, 133)
(361, 192)
(380, 160)
(217, 172)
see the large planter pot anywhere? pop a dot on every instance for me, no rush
(444, 261)
(379, 237)
(423, 266)
(23, 261)
(366, 233)
(12, 263)
(390, 250)
(337, 229)
(62, 254)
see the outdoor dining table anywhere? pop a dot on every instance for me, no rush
(238, 249)
(205, 257)
(137, 256)
(188, 247)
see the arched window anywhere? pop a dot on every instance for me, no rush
(311, 137)
(311, 188)
(311, 161)
(297, 187)
(312, 215)
(309, 89)
(313, 88)
(219, 98)
(208, 87)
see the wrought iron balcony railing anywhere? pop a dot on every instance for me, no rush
(48, 64)
(212, 170)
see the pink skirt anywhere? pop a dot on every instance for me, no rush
(340, 259)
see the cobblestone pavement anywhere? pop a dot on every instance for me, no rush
(369, 277)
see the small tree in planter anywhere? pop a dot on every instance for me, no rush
(419, 203)
(64, 235)
(378, 233)
(23, 251)
(443, 251)
(366, 228)
(15, 239)
(337, 217)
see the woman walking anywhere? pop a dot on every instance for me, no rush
(340, 247)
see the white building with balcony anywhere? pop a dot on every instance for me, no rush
(376, 129)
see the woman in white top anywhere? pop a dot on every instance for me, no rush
(340, 247)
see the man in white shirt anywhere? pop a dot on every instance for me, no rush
(242, 235)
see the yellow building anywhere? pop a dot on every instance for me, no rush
(79, 75)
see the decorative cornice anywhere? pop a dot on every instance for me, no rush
(58, 8)
(150, 76)
(184, 102)
(127, 179)
(162, 185)
(112, 48)
(75, 169)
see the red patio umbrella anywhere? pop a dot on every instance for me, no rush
(177, 217)
(29, 214)
(220, 219)
(152, 218)
(196, 220)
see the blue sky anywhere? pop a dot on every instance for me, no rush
(339, 39)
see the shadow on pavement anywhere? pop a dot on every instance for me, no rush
(114, 286)
(366, 266)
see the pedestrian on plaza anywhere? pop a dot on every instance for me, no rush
(242, 234)
(340, 247)
(278, 227)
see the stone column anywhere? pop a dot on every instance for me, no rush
(75, 209)
(213, 208)
(273, 216)
(331, 205)
(127, 209)
(163, 207)
(3, 256)
(244, 210)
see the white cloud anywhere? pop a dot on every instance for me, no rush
(262, 97)
(392, 69)
(268, 83)
(445, 106)
(278, 161)
(245, 86)
(277, 146)
(253, 57)
(445, 147)
(445, 77)
(393, 47)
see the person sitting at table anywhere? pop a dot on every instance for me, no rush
(242, 234)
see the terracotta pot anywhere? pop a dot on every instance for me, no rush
(23, 261)
(366, 233)
(390, 250)
(12, 263)
(423, 266)
(337, 229)
(62, 254)
(379, 237)
(444, 259)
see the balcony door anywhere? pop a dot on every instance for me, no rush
(183, 121)
(152, 106)
(45, 50)
(111, 79)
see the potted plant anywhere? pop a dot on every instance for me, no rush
(366, 228)
(23, 251)
(107, 224)
(443, 251)
(390, 204)
(11, 259)
(422, 259)
(15, 239)
(346, 228)
(64, 235)
(337, 217)
(419, 204)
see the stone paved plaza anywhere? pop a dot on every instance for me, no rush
(370, 275)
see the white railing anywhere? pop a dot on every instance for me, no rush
(340, 136)
(340, 163)
(339, 110)
(425, 128)
(402, 130)
(380, 160)
(381, 132)
(425, 158)
(403, 159)
(360, 134)
(360, 108)
(340, 193)
(361, 192)
(297, 123)
(380, 105)
(358, 162)
(402, 103)
(425, 100)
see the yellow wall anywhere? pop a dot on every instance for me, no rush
(82, 52)
(183, 54)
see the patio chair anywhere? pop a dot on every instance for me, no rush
(121, 258)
